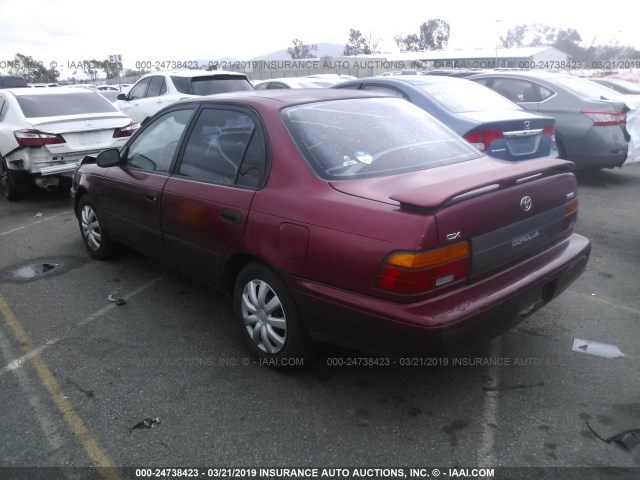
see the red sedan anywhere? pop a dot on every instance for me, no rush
(338, 216)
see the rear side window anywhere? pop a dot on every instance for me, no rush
(369, 137)
(60, 104)
(225, 147)
(211, 85)
(519, 91)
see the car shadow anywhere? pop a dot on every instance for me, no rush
(604, 178)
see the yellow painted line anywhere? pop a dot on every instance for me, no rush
(90, 444)
(605, 302)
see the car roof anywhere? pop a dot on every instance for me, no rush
(528, 74)
(285, 97)
(49, 91)
(193, 73)
(409, 79)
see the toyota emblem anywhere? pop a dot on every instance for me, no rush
(525, 204)
(527, 124)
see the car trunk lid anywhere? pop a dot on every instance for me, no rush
(504, 210)
(81, 132)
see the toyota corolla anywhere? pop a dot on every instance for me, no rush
(338, 216)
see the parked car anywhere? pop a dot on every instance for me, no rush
(157, 90)
(492, 124)
(12, 81)
(590, 127)
(339, 216)
(619, 85)
(45, 132)
(287, 82)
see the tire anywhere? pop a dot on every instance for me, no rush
(269, 319)
(98, 243)
(12, 183)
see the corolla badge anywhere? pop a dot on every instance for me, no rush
(526, 203)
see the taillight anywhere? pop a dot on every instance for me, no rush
(36, 138)
(126, 131)
(481, 139)
(550, 131)
(570, 214)
(420, 272)
(605, 119)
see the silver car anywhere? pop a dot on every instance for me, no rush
(590, 122)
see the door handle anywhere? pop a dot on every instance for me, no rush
(232, 216)
(150, 197)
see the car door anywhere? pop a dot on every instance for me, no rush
(205, 204)
(130, 195)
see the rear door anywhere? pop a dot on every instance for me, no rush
(130, 195)
(205, 204)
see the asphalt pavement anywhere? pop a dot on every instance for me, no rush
(80, 374)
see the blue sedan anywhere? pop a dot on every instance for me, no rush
(487, 120)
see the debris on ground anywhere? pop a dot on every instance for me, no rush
(146, 423)
(118, 301)
(38, 214)
(595, 348)
(627, 440)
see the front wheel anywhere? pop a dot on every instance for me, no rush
(268, 317)
(96, 240)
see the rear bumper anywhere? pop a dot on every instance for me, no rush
(451, 322)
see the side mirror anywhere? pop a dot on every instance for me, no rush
(109, 158)
(121, 96)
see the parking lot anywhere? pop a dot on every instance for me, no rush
(80, 372)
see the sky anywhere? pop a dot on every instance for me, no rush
(64, 31)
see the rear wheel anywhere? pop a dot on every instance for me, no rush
(12, 183)
(98, 243)
(268, 317)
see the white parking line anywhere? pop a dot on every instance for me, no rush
(19, 362)
(17, 229)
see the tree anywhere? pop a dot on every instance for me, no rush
(301, 50)
(33, 70)
(359, 44)
(92, 68)
(568, 41)
(434, 34)
(514, 36)
(111, 70)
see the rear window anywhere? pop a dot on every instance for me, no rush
(60, 104)
(211, 85)
(370, 137)
(466, 96)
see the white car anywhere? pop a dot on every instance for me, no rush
(155, 91)
(45, 132)
(288, 82)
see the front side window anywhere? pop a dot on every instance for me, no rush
(155, 147)
(157, 87)
(140, 89)
(225, 147)
(371, 137)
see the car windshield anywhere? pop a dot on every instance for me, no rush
(62, 104)
(588, 89)
(370, 137)
(211, 85)
(466, 96)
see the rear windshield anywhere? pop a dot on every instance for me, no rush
(466, 96)
(370, 137)
(60, 104)
(211, 85)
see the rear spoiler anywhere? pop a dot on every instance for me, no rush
(436, 196)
